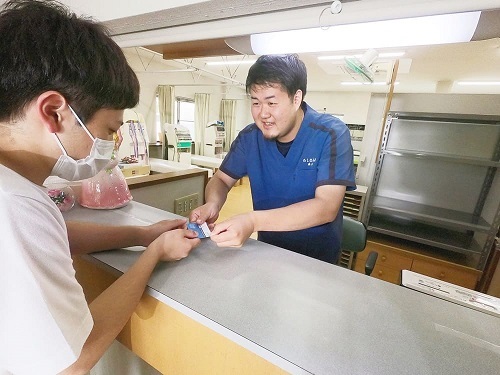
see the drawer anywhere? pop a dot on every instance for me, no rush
(386, 257)
(381, 272)
(447, 272)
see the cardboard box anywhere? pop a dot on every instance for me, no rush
(131, 170)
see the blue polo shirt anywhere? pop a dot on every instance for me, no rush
(321, 154)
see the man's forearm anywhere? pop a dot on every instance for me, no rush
(112, 309)
(321, 209)
(216, 192)
(87, 237)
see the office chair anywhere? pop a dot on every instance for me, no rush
(354, 240)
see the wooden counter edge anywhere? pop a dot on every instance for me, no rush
(168, 340)
(159, 178)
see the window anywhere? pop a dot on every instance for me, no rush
(184, 111)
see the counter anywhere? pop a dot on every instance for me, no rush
(262, 309)
(167, 183)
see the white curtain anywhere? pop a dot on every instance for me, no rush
(228, 115)
(201, 108)
(166, 109)
(166, 103)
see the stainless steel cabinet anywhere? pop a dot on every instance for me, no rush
(436, 184)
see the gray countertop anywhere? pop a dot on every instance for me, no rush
(308, 316)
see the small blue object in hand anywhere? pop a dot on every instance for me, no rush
(201, 229)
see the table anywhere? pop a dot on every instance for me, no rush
(262, 309)
(206, 161)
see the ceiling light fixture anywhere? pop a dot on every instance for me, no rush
(231, 62)
(342, 57)
(478, 83)
(429, 30)
(165, 71)
(357, 83)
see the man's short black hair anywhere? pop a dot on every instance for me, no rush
(44, 46)
(287, 71)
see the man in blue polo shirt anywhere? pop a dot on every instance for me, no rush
(299, 163)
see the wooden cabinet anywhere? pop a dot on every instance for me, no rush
(397, 255)
(446, 272)
(389, 264)
(354, 202)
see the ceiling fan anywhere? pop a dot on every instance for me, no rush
(361, 68)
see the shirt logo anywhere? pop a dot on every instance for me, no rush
(309, 161)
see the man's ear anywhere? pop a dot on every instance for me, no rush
(49, 107)
(297, 98)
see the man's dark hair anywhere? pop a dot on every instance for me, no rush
(286, 70)
(43, 46)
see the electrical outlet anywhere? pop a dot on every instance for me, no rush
(184, 205)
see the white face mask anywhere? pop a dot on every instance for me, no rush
(98, 159)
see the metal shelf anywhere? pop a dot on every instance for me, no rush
(423, 233)
(444, 157)
(448, 117)
(432, 215)
(422, 156)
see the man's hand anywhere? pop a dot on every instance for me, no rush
(175, 244)
(208, 213)
(153, 231)
(233, 232)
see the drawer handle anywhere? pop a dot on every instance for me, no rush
(384, 258)
(441, 275)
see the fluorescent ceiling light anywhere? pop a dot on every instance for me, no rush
(439, 29)
(478, 83)
(165, 71)
(231, 62)
(342, 57)
(336, 57)
(357, 83)
(391, 54)
(354, 83)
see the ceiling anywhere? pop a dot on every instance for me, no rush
(422, 69)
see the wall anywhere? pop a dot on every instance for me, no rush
(163, 195)
(150, 69)
(352, 105)
(447, 103)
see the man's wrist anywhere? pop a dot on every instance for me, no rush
(254, 219)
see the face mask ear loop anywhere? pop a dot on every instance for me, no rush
(81, 123)
(60, 145)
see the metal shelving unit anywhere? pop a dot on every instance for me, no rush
(435, 182)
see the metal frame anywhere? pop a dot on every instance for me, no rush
(447, 221)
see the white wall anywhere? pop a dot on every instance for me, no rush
(149, 67)
(352, 105)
